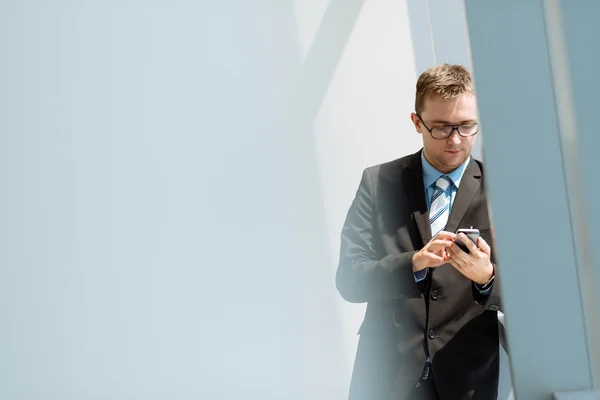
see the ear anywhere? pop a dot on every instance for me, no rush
(417, 122)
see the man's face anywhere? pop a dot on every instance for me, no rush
(446, 155)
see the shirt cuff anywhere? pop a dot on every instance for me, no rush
(485, 290)
(420, 275)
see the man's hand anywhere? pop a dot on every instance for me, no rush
(475, 265)
(435, 252)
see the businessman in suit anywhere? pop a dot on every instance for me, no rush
(431, 329)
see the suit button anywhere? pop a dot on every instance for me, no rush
(435, 295)
(431, 334)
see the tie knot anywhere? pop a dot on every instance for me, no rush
(443, 182)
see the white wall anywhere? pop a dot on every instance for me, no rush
(175, 177)
(364, 118)
(163, 233)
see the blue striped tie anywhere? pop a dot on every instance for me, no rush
(440, 205)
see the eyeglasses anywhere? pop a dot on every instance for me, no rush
(444, 132)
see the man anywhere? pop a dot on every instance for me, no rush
(430, 329)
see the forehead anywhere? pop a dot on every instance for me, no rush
(461, 108)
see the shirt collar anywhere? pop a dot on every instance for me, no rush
(430, 174)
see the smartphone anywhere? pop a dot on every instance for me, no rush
(471, 233)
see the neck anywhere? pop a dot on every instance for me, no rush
(440, 168)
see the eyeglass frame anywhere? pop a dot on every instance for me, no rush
(454, 128)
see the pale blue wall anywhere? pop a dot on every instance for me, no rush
(529, 184)
(161, 215)
(582, 41)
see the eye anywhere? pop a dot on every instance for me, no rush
(444, 128)
(466, 128)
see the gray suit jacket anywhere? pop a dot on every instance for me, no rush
(443, 317)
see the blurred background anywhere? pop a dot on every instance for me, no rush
(175, 176)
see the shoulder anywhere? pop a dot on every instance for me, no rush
(393, 168)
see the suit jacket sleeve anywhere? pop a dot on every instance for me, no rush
(361, 275)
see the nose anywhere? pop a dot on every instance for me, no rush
(454, 137)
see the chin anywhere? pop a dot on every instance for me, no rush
(455, 157)
(453, 161)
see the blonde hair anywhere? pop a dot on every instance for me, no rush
(444, 80)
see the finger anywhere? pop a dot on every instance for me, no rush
(445, 253)
(441, 253)
(445, 235)
(438, 264)
(461, 268)
(483, 246)
(458, 253)
(468, 242)
(439, 244)
(455, 264)
(432, 257)
(435, 261)
(450, 251)
(443, 261)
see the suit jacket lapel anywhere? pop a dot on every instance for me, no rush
(413, 182)
(469, 185)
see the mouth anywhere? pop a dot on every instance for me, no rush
(453, 151)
